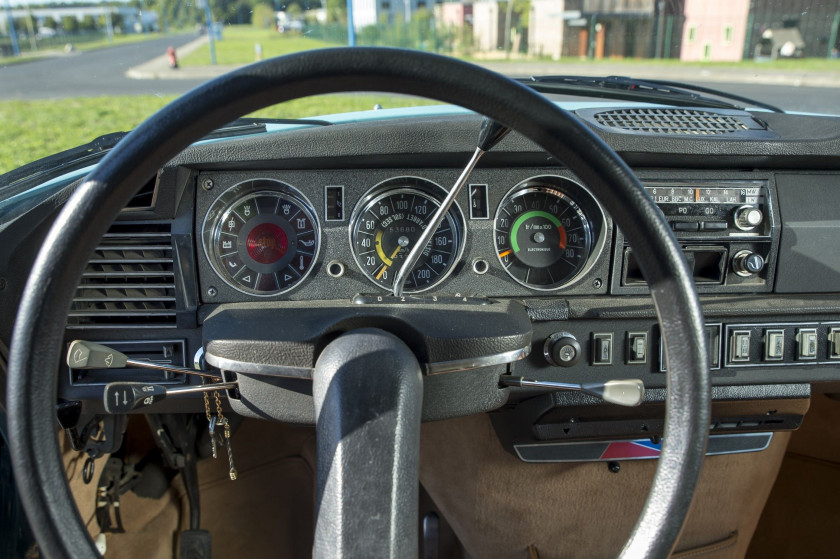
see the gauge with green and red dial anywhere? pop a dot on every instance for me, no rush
(543, 237)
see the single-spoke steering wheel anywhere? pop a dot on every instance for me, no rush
(39, 330)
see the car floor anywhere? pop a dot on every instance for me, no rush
(493, 504)
(802, 515)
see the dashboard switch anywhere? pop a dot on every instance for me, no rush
(774, 345)
(739, 346)
(806, 339)
(602, 347)
(636, 347)
(834, 343)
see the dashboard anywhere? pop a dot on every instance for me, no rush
(316, 221)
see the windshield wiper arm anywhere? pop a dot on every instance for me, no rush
(711, 91)
(629, 89)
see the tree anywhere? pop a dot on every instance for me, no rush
(88, 23)
(336, 11)
(69, 24)
(262, 17)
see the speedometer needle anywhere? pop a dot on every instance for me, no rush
(385, 267)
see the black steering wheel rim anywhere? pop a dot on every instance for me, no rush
(39, 328)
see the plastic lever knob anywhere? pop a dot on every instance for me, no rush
(123, 397)
(88, 355)
(627, 392)
(491, 134)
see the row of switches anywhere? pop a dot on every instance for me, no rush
(806, 339)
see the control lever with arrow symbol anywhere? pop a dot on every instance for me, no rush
(123, 397)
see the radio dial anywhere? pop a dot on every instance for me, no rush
(748, 218)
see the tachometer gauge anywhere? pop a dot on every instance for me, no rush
(543, 238)
(261, 237)
(386, 225)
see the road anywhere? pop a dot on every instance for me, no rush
(92, 73)
(102, 72)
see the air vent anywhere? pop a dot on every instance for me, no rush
(129, 282)
(144, 199)
(678, 122)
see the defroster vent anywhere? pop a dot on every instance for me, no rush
(129, 281)
(678, 122)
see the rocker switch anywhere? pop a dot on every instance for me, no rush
(834, 343)
(602, 347)
(740, 346)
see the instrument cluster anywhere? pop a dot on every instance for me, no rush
(262, 236)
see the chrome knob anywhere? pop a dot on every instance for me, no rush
(748, 218)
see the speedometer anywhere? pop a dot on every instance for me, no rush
(388, 222)
(542, 235)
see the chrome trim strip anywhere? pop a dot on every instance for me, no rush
(441, 367)
(257, 369)
(457, 365)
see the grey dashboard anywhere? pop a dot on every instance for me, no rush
(772, 327)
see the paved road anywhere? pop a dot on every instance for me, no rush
(102, 72)
(92, 73)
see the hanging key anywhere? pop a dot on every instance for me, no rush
(213, 435)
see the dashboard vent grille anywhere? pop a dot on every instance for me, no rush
(677, 122)
(129, 281)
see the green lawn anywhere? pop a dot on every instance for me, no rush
(238, 46)
(35, 129)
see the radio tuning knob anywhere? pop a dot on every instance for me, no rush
(747, 263)
(748, 218)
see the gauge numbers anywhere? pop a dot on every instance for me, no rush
(260, 241)
(388, 223)
(542, 237)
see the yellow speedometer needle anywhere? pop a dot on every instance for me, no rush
(382, 271)
(395, 252)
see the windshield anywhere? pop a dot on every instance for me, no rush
(73, 71)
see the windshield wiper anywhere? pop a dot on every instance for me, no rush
(245, 126)
(649, 91)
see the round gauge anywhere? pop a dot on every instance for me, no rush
(261, 237)
(543, 238)
(388, 222)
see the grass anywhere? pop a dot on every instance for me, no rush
(35, 129)
(237, 46)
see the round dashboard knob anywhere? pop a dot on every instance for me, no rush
(748, 218)
(747, 263)
(561, 349)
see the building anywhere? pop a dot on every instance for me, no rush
(547, 22)
(488, 26)
(373, 12)
(714, 30)
(454, 14)
(818, 24)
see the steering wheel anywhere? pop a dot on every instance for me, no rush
(39, 329)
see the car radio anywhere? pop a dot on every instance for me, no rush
(726, 229)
